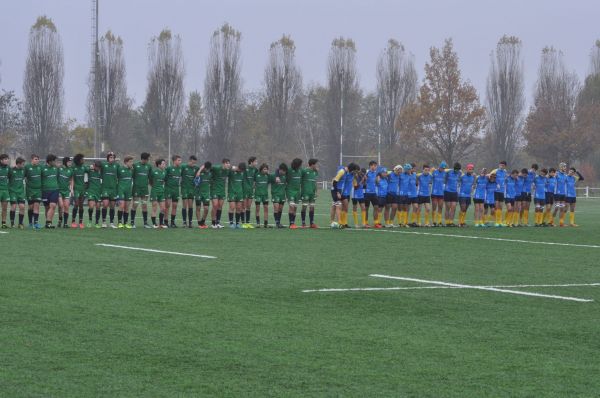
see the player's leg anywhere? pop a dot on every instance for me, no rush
(231, 213)
(292, 212)
(174, 204)
(572, 206)
(303, 213)
(111, 212)
(239, 212)
(4, 205)
(265, 213)
(427, 206)
(66, 205)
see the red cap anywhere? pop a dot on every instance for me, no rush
(470, 166)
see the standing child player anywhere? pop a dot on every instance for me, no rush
(520, 197)
(550, 190)
(65, 189)
(481, 182)
(202, 193)
(413, 195)
(80, 170)
(451, 193)
(294, 185)
(16, 190)
(235, 194)
(489, 207)
(109, 188)
(424, 181)
(157, 194)
(371, 192)
(309, 192)
(527, 196)
(125, 191)
(539, 187)
(358, 198)
(172, 184)
(248, 187)
(437, 193)
(382, 190)
(4, 193)
(467, 180)
(571, 197)
(392, 196)
(501, 175)
(510, 198)
(188, 190)
(50, 188)
(219, 175)
(278, 182)
(94, 192)
(33, 190)
(261, 194)
(141, 177)
(560, 194)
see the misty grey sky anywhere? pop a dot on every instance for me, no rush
(475, 26)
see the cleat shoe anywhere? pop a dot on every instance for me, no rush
(120, 226)
(128, 226)
(203, 226)
(219, 226)
(190, 225)
(173, 225)
(279, 226)
(314, 226)
(133, 226)
(50, 226)
(113, 226)
(293, 226)
(74, 225)
(238, 226)
(573, 225)
(164, 226)
(377, 226)
(250, 226)
(81, 226)
(21, 226)
(37, 226)
(148, 226)
(104, 225)
(155, 226)
(244, 226)
(97, 226)
(232, 226)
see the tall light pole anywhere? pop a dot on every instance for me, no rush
(379, 129)
(342, 118)
(95, 65)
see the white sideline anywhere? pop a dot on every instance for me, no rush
(491, 289)
(3, 232)
(479, 237)
(356, 289)
(154, 250)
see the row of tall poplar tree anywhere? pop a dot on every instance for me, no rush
(441, 118)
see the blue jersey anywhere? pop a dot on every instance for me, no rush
(439, 178)
(424, 184)
(412, 185)
(382, 187)
(348, 184)
(501, 176)
(551, 184)
(452, 178)
(561, 183)
(540, 187)
(529, 182)
(393, 183)
(481, 183)
(519, 184)
(570, 182)
(490, 190)
(370, 183)
(511, 183)
(466, 185)
(404, 184)
(359, 191)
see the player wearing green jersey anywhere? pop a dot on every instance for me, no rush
(94, 192)
(4, 194)
(157, 195)
(248, 187)
(235, 194)
(33, 190)
(109, 188)
(278, 184)
(261, 193)
(202, 193)
(16, 189)
(65, 191)
(125, 191)
(141, 174)
(80, 171)
(50, 188)
(294, 184)
(188, 173)
(218, 175)
(172, 185)
(309, 192)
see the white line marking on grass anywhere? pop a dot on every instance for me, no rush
(557, 285)
(481, 237)
(154, 250)
(3, 232)
(368, 289)
(491, 289)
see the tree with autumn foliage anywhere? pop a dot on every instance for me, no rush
(446, 121)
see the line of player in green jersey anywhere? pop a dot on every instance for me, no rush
(118, 189)
(402, 191)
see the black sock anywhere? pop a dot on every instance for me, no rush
(103, 214)
(132, 217)
(144, 216)
(161, 218)
(98, 211)
(303, 215)
(125, 217)
(230, 218)
(30, 215)
(190, 214)
(258, 220)
(172, 219)
(90, 213)
(80, 214)
(184, 215)
(119, 216)
(66, 217)
(238, 217)
(12, 217)
(242, 217)
(74, 212)
(36, 217)
(153, 220)
(311, 215)
(21, 217)
(219, 213)
(291, 218)
(248, 216)
(111, 213)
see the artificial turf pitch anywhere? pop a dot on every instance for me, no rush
(79, 319)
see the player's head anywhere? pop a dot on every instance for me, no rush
(470, 168)
(226, 163)
(4, 159)
(242, 167)
(502, 164)
(534, 167)
(514, 173)
(110, 157)
(426, 168)
(562, 166)
(97, 165)
(407, 168)
(192, 160)
(296, 163)
(492, 177)
(457, 166)
(283, 168)
(207, 165)
(354, 168)
(552, 172)
(383, 173)
(78, 159)
(145, 156)
(176, 159)
(252, 161)
(398, 169)
(543, 172)
(160, 163)
(35, 159)
(372, 165)
(312, 163)
(413, 165)
(264, 168)
(572, 170)
(128, 161)
(51, 159)
(67, 161)
(20, 162)
(483, 171)
(443, 166)
(524, 171)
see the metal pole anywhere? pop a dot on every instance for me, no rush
(379, 130)
(342, 119)
(96, 88)
(169, 161)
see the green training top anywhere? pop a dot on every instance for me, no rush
(141, 175)
(173, 177)
(236, 181)
(294, 180)
(49, 178)
(218, 177)
(278, 188)
(249, 178)
(16, 176)
(64, 178)
(79, 173)
(4, 177)
(261, 182)
(124, 174)
(309, 181)
(157, 177)
(33, 176)
(94, 182)
(109, 176)
(205, 179)
(188, 173)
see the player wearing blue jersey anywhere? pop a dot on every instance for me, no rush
(371, 192)
(392, 198)
(489, 205)
(560, 193)
(358, 198)
(467, 180)
(571, 198)
(413, 195)
(481, 182)
(501, 175)
(424, 180)
(519, 199)
(451, 193)
(527, 196)
(403, 200)
(382, 190)
(510, 198)
(336, 191)
(550, 190)
(437, 193)
(346, 196)
(539, 196)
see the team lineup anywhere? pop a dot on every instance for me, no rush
(400, 197)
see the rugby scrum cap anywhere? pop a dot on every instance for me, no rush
(443, 165)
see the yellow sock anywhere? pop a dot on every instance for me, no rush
(525, 216)
(562, 218)
(355, 217)
(572, 218)
(419, 217)
(427, 215)
(364, 217)
(405, 217)
(509, 217)
(498, 216)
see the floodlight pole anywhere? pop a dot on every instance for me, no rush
(342, 118)
(379, 129)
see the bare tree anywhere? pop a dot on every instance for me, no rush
(342, 101)
(165, 97)
(108, 99)
(222, 89)
(311, 136)
(505, 100)
(189, 139)
(283, 86)
(396, 88)
(551, 120)
(595, 59)
(43, 87)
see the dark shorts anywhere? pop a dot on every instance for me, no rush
(519, 198)
(391, 199)
(334, 196)
(540, 202)
(526, 197)
(478, 201)
(50, 197)
(358, 200)
(549, 198)
(371, 198)
(424, 199)
(381, 201)
(464, 201)
(345, 197)
(437, 196)
(499, 196)
(450, 196)
(489, 206)
(559, 198)
(570, 200)
(414, 200)
(403, 200)
(509, 201)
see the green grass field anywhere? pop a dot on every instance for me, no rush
(79, 319)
